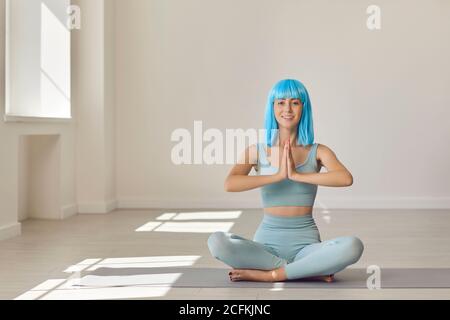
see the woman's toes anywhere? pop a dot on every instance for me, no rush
(234, 275)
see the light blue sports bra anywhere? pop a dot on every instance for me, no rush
(287, 192)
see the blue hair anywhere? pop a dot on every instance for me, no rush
(290, 89)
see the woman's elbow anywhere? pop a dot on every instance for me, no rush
(348, 180)
(227, 187)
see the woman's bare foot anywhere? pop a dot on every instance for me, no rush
(327, 278)
(257, 275)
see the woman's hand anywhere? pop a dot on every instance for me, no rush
(292, 172)
(283, 168)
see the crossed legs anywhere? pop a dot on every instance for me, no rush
(326, 257)
(254, 261)
(251, 260)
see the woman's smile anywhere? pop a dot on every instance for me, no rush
(288, 117)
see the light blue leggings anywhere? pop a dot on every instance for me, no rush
(292, 242)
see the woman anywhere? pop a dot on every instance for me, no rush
(287, 243)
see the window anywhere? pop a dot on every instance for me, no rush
(37, 59)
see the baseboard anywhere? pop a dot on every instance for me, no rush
(97, 208)
(321, 203)
(10, 231)
(69, 211)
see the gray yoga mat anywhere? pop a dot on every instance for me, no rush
(218, 278)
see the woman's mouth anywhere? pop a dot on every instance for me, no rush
(288, 117)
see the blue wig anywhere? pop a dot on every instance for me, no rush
(290, 89)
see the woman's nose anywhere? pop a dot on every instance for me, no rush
(288, 106)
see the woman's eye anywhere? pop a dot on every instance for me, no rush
(280, 103)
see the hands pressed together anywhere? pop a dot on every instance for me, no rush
(287, 164)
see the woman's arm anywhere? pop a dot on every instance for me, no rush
(238, 179)
(337, 175)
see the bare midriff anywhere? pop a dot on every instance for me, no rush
(289, 211)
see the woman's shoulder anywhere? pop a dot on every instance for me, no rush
(324, 151)
(322, 148)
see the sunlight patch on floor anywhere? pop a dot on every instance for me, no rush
(111, 287)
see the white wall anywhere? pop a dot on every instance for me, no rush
(94, 103)
(380, 99)
(9, 155)
(143, 68)
(85, 164)
(110, 125)
(39, 177)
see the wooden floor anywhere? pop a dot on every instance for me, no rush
(33, 265)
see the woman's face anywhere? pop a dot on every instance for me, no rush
(288, 112)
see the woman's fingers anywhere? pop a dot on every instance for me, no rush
(288, 151)
(291, 155)
(287, 162)
(286, 155)
(290, 162)
(283, 163)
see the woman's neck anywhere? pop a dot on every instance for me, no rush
(287, 135)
